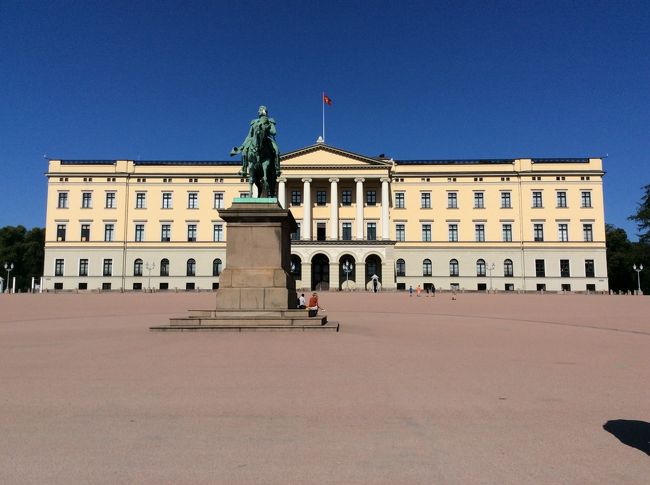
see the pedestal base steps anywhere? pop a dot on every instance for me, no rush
(248, 320)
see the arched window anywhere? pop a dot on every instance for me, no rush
(191, 267)
(216, 267)
(137, 267)
(480, 267)
(453, 267)
(400, 267)
(508, 268)
(296, 267)
(164, 267)
(426, 267)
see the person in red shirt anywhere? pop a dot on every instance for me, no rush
(313, 305)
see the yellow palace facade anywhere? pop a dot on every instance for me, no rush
(506, 224)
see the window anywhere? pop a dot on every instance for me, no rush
(107, 269)
(508, 269)
(478, 200)
(400, 267)
(109, 232)
(63, 200)
(110, 200)
(399, 200)
(193, 200)
(371, 197)
(346, 197)
(591, 287)
(565, 271)
(167, 200)
(480, 267)
(586, 199)
(140, 200)
(58, 268)
(479, 230)
(164, 267)
(296, 235)
(538, 232)
(426, 232)
(561, 199)
(426, 267)
(400, 232)
(85, 232)
(321, 231)
(452, 200)
(216, 267)
(296, 197)
(191, 232)
(218, 200)
(537, 199)
(563, 232)
(321, 197)
(86, 200)
(83, 267)
(137, 267)
(506, 201)
(139, 232)
(453, 232)
(425, 199)
(507, 232)
(60, 232)
(217, 232)
(590, 272)
(166, 232)
(540, 268)
(244, 195)
(588, 232)
(371, 231)
(453, 268)
(191, 267)
(347, 231)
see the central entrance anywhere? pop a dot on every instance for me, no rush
(320, 273)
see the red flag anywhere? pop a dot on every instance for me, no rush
(327, 100)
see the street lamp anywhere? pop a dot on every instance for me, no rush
(347, 269)
(638, 275)
(149, 267)
(490, 269)
(8, 268)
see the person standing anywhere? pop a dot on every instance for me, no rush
(410, 290)
(418, 290)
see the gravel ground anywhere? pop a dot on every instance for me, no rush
(507, 389)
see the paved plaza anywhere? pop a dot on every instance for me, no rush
(503, 389)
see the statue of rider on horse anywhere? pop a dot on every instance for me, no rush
(260, 155)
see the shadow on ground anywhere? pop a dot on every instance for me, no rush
(631, 433)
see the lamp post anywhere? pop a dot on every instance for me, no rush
(149, 267)
(8, 268)
(347, 269)
(490, 269)
(638, 275)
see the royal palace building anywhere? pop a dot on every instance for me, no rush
(505, 224)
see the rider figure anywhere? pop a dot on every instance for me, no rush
(260, 128)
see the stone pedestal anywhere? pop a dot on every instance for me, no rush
(258, 257)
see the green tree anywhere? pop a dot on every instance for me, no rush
(25, 249)
(642, 217)
(619, 259)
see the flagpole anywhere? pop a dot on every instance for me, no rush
(323, 103)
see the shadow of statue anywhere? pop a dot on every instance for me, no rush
(631, 432)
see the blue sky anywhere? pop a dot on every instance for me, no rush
(181, 80)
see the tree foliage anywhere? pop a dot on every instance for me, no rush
(25, 249)
(622, 254)
(642, 217)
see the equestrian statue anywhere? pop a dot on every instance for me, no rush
(260, 155)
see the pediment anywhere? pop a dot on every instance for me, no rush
(322, 156)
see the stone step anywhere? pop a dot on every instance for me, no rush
(329, 327)
(232, 320)
(248, 313)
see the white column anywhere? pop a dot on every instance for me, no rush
(282, 194)
(334, 214)
(306, 216)
(360, 202)
(385, 202)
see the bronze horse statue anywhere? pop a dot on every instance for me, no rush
(260, 155)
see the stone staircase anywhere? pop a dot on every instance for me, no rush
(248, 320)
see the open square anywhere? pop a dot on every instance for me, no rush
(481, 389)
